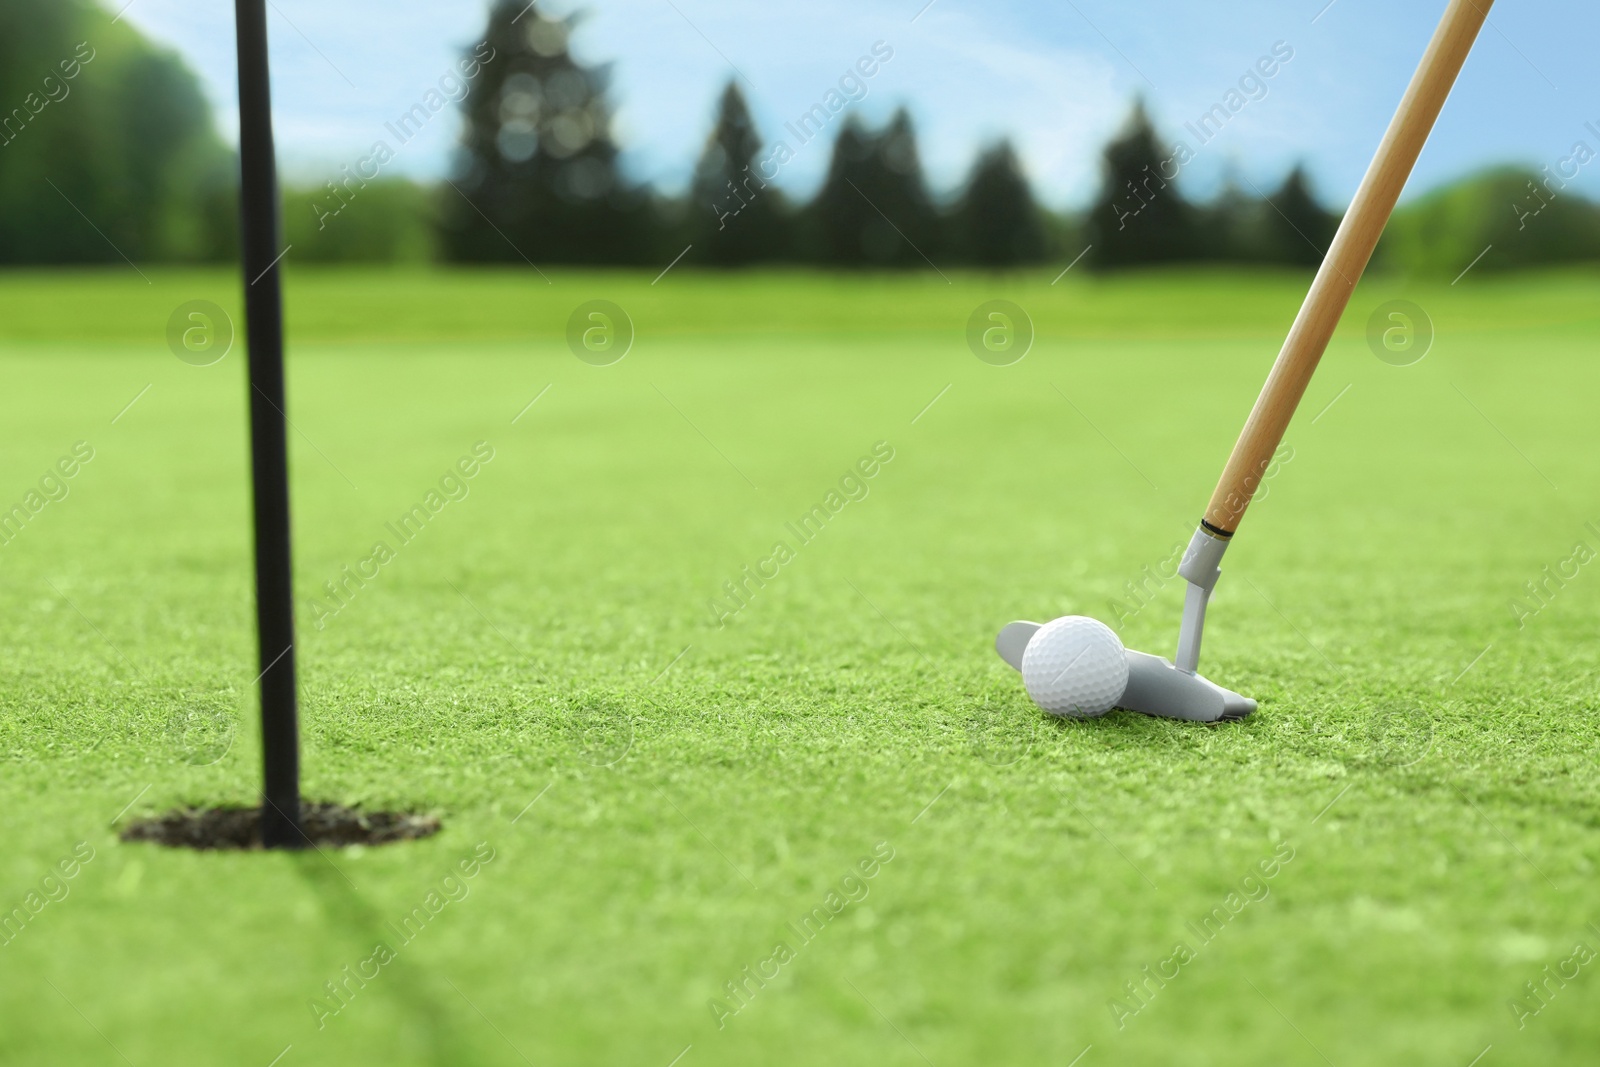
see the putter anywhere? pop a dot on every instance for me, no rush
(1173, 689)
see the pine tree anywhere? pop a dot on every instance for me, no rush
(1231, 226)
(997, 223)
(1140, 217)
(873, 208)
(538, 174)
(1300, 229)
(736, 216)
(837, 217)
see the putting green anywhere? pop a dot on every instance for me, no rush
(819, 823)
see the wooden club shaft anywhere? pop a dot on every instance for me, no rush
(1342, 266)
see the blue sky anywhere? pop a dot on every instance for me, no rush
(1056, 76)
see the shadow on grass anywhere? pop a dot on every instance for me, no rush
(420, 997)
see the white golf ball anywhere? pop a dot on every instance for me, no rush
(1075, 666)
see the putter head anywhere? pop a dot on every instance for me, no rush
(1155, 686)
(1171, 689)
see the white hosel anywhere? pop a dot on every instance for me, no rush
(1201, 567)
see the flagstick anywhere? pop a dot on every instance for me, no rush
(280, 731)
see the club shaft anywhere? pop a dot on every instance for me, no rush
(1346, 259)
(269, 467)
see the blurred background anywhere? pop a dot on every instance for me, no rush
(682, 264)
(910, 135)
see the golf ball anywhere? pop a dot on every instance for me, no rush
(1075, 666)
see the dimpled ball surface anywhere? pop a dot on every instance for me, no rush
(1075, 666)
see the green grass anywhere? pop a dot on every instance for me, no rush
(540, 626)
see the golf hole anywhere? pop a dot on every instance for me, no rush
(239, 828)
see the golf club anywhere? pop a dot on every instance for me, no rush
(1069, 666)
(269, 467)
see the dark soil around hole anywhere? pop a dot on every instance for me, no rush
(240, 828)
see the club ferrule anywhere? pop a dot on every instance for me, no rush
(1202, 559)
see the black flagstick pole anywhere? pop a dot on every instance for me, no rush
(280, 729)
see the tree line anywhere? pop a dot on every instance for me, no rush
(108, 150)
(539, 180)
